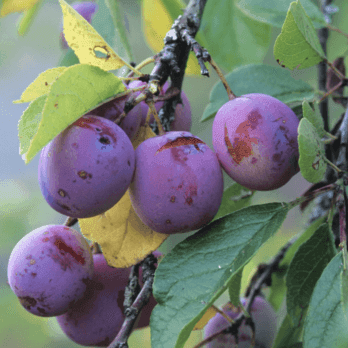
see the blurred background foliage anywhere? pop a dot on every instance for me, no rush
(22, 207)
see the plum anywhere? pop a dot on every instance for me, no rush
(87, 168)
(255, 139)
(96, 318)
(49, 269)
(112, 111)
(183, 115)
(264, 318)
(177, 184)
(87, 10)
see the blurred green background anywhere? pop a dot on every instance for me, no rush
(22, 207)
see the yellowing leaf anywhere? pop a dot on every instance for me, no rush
(125, 240)
(87, 44)
(11, 6)
(41, 85)
(157, 22)
(210, 313)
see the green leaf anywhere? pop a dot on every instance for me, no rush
(123, 47)
(298, 45)
(303, 238)
(27, 18)
(77, 90)
(344, 291)
(243, 39)
(277, 291)
(234, 288)
(274, 12)
(29, 123)
(257, 78)
(314, 117)
(305, 269)
(312, 152)
(69, 58)
(41, 85)
(202, 267)
(234, 198)
(326, 323)
(288, 334)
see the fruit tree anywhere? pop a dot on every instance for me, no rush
(205, 221)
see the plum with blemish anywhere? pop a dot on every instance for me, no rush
(264, 318)
(87, 10)
(97, 317)
(183, 115)
(87, 168)
(177, 184)
(49, 269)
(255, 139)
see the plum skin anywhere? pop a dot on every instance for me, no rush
(87, 168)
(183, 114)
(112, 111)
(255, 139)
(264, 318)
(177, 184)
(96, 319)
(49, 269)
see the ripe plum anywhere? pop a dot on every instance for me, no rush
(178, 183)
(49, 269)
(87, 168)
(255, 139)
(264, 318)
(96, 319)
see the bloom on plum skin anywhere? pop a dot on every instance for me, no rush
(255, 139)
(49, 269)
(177, 185)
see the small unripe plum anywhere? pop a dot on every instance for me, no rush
(183, 115)
(177, 184)
(96, 319)
(49, 270)
(87, 168)
(264, 318)
(87, 10)
(255, 139)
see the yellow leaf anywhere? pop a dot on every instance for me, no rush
(125, 240)
(41, 85)
(210, 313)
(157, 22)
(87, 44)
(11, 6)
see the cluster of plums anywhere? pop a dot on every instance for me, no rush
(175, 180)
(53, 273)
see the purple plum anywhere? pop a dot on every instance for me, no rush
(255, 139)
(87, 168)
(49, 269)
(96, 319)
(264, 318)
(178, 183)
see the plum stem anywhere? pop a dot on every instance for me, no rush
(151, 105)
(230, 94)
